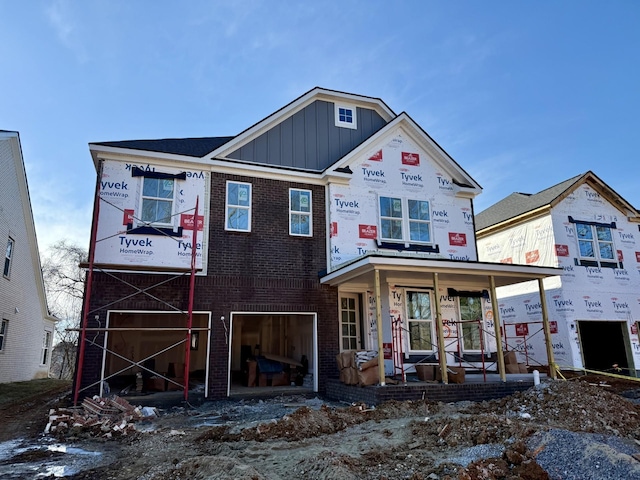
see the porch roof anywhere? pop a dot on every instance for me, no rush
(395, 269)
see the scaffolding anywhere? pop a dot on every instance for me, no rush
(398, 355)
(85, 330)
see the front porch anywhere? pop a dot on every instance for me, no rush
(475, 388)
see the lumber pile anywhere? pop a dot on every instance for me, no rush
(97, 416)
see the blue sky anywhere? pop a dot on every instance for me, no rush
(522, 94)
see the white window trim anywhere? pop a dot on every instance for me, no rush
(227, 205)
(46, 347)
(9, 257)
(296, 212)
(358, 337)
(353, 125)
(407, 320)
(4, 334)
(406, 231)
(173, 205)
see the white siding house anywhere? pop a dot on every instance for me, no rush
(26, 328)
(584, 227)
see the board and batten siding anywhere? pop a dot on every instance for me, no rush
(20, 302)
(309, 139)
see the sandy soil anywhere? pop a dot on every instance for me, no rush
(297, 437)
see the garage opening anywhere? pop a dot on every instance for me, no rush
(272, 353)
(604, 345)
(145, 353)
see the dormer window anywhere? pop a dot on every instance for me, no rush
(346, 116)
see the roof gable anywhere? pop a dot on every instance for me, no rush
(464, 184)
(303, 134)
(519, 204)
(15, 146)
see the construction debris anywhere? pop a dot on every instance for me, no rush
(98, 416)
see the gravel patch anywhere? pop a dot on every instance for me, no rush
(601, 456)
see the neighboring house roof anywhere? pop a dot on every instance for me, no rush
(190, 147)
(518, 204)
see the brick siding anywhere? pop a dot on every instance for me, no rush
(265, 270)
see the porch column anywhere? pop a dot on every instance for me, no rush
(442, 356)
(376, 273)
(496, 328)
(547, 330)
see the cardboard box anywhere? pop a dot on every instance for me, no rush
(510, 358)
(349, 376)
(512, 368)
(370, 376)
(369, 364)
(426, 372)
(454, 374)
(523, 368)
(346, 359)
(279, 379)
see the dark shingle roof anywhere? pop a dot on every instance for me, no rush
(191, 147)
(519, 203)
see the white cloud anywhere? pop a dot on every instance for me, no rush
(59, 15)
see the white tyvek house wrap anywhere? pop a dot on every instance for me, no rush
(381, 171)
(452, 329)
(582, 293)
(119, 191)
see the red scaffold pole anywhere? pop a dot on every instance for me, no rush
(192, 283)
(87, 292)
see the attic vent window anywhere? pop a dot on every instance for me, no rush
(346, 116)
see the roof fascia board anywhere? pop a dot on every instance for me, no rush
(27, 212)
(259, 171)
(301, 102)
(101, 151)
(420, 137)
(420, 265)
(592, 180)
(610, 195)
(219, 166)
(513, 221)
(448, 163)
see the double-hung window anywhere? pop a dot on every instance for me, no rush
(157, 201)
(238, 207)
(471, 317)
(300, 212)
(3, 334)
(7, 257)
(595, 244)
(419, 321)
(405, 220)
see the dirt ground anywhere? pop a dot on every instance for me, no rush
(297, 437)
